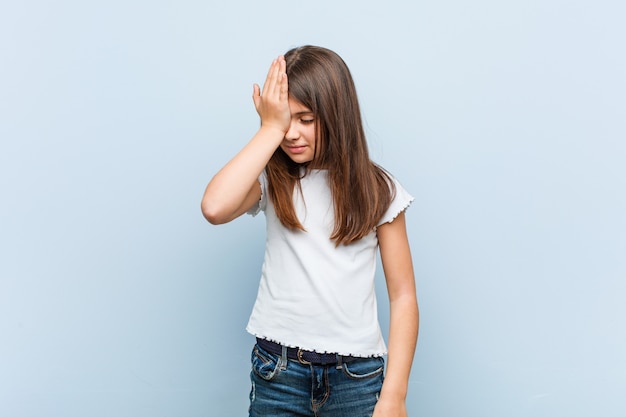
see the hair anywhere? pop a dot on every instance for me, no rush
(362, 191)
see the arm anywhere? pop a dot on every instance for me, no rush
(235, 188)
(404, 316)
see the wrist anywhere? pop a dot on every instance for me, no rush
(390, 407)
(273, 130)
(393, 393)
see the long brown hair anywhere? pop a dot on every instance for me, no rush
(362, 191)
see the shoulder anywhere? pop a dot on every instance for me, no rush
(401, 198)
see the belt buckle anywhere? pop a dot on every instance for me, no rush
(300, 359)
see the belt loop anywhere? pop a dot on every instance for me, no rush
(339, 362)
(283, 358)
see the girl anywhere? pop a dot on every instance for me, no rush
(328, 207)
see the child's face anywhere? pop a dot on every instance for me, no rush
(299, 142)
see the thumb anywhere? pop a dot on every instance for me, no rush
(256, 95)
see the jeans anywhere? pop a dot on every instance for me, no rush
(288, 388)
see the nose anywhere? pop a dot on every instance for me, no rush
(292, 133)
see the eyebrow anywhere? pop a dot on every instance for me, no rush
(300, 113)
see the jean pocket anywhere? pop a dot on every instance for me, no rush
(264, 364)
(364, 368)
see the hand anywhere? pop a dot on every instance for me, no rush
(273, 104)
(389, 408)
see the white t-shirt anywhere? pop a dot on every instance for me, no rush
(312, 294)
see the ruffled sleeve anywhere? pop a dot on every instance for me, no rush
(262, 203)
(401, 202)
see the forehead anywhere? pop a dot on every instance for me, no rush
(296, 107)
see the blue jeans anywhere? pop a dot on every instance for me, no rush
(287, 388)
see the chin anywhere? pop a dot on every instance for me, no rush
(301, 160)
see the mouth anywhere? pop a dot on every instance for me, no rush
(296, 149)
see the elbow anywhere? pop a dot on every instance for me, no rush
(213, 214)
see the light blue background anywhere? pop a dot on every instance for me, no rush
(505, 119)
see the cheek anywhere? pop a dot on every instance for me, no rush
(310, 133)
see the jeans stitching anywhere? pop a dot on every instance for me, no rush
(351, 375)
(272, 365)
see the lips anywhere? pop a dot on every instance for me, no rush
(296, 149)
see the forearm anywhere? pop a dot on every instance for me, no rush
(228, 189)
(403, 320)
(232, 189)
(403, 330)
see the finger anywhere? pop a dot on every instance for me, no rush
(278, 68)
(256, 95)
(284, 87)
(270, 81)
(282, 63)
(282, 75)
(267, 79)
(284, 84)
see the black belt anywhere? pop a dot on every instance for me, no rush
(305, 357)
